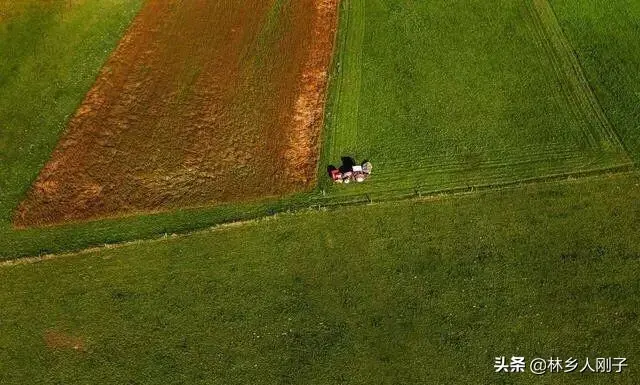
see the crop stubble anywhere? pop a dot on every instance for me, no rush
(201, 103)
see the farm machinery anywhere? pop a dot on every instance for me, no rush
(351, 172)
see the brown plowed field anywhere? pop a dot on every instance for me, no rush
(202, 102)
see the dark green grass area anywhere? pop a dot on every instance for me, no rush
(461, 93)
(402, 293)
(604, 35)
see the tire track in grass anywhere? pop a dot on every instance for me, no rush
(606, 148)
(502, 166)
(600, 133)
(514, 167)
(603, 148)
(492, 178)
(549, 57)
(534, 152)
(491, 170)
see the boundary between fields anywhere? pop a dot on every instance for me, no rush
(119, 245)
(362, 200)
(321, 203)
(347, 58)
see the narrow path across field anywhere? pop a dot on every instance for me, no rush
(347, 88)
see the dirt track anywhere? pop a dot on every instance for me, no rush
(202, 102)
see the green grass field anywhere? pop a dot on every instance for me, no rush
(462, 93)
(411, 292)
(423, 291)
(605, 38)
(527, 112)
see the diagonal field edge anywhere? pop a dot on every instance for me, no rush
(415, 196)
(601, 133)
(364, 197)
(189, 122)
(317, 203)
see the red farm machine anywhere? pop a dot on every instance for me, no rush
(350, 172)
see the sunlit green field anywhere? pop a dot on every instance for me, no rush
(451, 94)
(437, 97)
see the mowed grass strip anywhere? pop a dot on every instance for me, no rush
(604, 35)
(466, 86)
(346, 82)
(406, 293)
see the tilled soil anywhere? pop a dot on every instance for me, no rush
(202, 102)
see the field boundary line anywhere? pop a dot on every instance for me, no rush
(118, 245)
(344, 61)
(363, 199)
